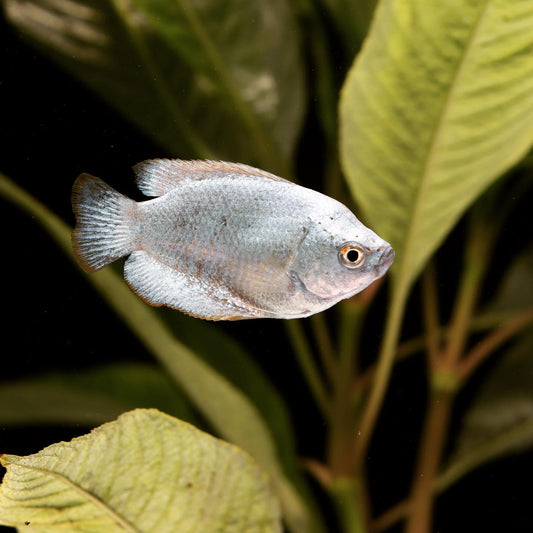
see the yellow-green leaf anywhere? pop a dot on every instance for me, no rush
(438, 104)
(144, 472)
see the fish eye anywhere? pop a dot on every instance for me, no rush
(351, 255)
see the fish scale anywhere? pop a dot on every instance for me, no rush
(227, 241)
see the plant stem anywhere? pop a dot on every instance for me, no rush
(458, 468)
(382, 372)
(349, 333)
(414, 345)
(493, 341)
(390, 517)
(347, 497)
(309, 368)
(444, 374)
(433, 439)
(344, 409)
(477, 249)
(324, 344)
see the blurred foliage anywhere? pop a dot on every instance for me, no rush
(216, 88)
(435, 109)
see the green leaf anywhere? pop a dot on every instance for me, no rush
(210, 79)
(93, 397)
(436, 107)
(226, 408)
(500, 420)
(144, 472)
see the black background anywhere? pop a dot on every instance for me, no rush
(52, 129)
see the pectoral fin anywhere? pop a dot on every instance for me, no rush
(158, 284)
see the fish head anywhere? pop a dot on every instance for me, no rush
(340, 256)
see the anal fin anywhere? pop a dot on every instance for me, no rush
(158, 284)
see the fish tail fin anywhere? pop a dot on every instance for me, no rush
(104, 218)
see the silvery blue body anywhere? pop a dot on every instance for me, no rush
(227, 241)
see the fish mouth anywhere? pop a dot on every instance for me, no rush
(386, 259)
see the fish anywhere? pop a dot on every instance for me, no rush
(226, 241)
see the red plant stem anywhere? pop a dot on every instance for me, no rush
(344, 411)
(491, 342)
(479, 245)
(434, 434)
(381, 376)
(390, 517)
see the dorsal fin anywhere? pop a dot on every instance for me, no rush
(156, 177)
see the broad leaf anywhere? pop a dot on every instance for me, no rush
(437, 106)
(500, 420)
(205, 79)
(225, 407)
(93, 397)
(144, 472)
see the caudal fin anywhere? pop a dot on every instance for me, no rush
(104, 218)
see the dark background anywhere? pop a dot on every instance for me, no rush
(52, 129)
